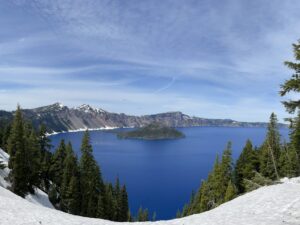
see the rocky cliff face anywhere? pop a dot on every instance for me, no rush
(58, 117)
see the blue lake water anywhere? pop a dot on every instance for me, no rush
(160, 175)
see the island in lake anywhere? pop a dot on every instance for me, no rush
(152, 132)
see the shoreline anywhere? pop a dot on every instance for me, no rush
(81, 130)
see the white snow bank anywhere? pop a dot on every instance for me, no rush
(38, 198)
(272, 205)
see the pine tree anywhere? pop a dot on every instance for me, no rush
(70, 188)
(124, 205)
(295, 136)
(16, 138)
(246, 166)
(288, 162)
(154, 216)
(270, 150)
(109, 205)
(33, 158)
(225, 175)
(24, 156)
(117, 200)
(256, 182)
(91, 180)
(143, 215)
(5, 137)
(46, 155)
(230, 192)
(178, 214)
(74, 195)
(293, 84)
(57, 164)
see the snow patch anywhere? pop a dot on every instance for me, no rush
(39, 197)
(88, 109)
(276, 205)
(82, 130)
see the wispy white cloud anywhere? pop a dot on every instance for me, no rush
(192, 56)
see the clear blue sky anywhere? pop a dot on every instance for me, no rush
(208, 58)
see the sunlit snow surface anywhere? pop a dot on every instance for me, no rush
(271, 205)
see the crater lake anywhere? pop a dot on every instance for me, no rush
(160, 175)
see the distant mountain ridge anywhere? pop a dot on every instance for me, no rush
(59, 118)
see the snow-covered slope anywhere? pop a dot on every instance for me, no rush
(39, 198)
(273, 205)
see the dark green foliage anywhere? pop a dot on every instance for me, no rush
(4, 135)
(24, 159)
(246, 166)
(110, 203)
(295, 135)
(270, 151)
(73, 187)
(54, 196)
(70, 188)
(78, 187)
(288, 162)
(33, 158)
(217, 189)
(142, 215)
(91, 180)
(230, 192)
(293, 84)
(256, 182)
(46, 155)
(57, 164)
(124, 208)
(153, 132)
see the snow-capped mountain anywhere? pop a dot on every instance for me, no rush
(58, 117)
(89, 109)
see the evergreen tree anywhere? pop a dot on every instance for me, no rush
(270, 150)
(117, 200)
(215, 190)
(178, 214)
(288, 162)
(230, 192)
(24, 156)
(57, 164)
(16, 140)
(54, 196)
(5, 136)
(74, 195)
(293, 106)
(91, 180)
(33, 158)
(46, 155)
(143, 215)
(109, 203)
(70, 189)
(293, 84)
(256, 182)
(246, 166)
(124, 208)
(154, 216)
(295, 136)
